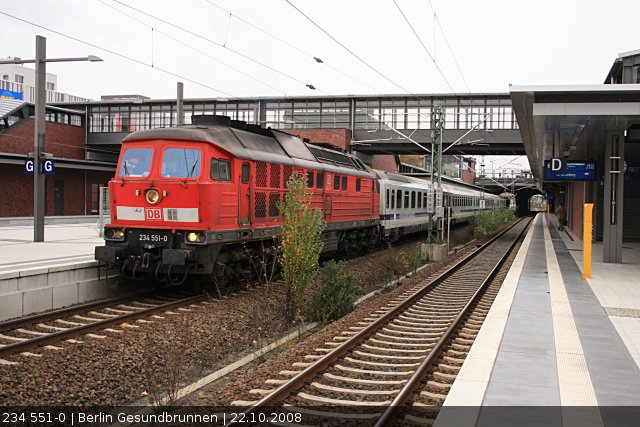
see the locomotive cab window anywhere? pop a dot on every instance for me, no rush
(245, 173)
(310, 179)
(344, 182)
(136, 162)
(336, 182)
(221, 170)
(358, 184)
(320, 180)
(181, 163)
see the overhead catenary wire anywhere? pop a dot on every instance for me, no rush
(137, 61)
(193, 48)
(349, 50)
(200, 36)
(299, 50)
(436, 19)
(432, 57)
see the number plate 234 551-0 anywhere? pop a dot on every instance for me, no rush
(153, 238)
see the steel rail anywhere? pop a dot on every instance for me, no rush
(295, 383)
(102, 324)
(70, 311)
(389, 416)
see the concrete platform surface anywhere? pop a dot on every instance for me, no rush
(58, 272)
(554, 340)
(64, 243)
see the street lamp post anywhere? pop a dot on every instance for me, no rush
(38, 140)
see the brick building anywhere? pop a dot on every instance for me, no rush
(74, 187)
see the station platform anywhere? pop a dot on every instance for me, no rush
(63, 243)
(39, 276)
(554, 340)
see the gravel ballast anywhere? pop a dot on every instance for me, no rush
(147, 359)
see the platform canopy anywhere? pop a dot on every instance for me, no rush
(573, 122)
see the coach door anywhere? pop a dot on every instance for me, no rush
(244, 195)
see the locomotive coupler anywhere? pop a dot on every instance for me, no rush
(146, 257)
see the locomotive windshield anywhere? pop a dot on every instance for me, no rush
(136, 162)
(181, 163)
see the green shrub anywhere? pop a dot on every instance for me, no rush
(416, 258)
(396, 263)
(300, 241)
(337, 294)
(488, 221)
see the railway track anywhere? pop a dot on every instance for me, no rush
(92, 320)
(399, 361)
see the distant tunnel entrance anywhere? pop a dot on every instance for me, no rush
(522, 200)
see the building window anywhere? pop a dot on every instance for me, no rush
(51, 86)
(5, 77)
(19, 78)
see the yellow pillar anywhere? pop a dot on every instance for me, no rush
(586, 241)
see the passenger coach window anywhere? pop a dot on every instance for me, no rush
(344, 182)
(358, 184)
(387, 202)
(413, 200)
(320, 180)
(419, 200)
(393, 199)
(221, 170)
(181, 163)
(399, 199)
(336, 182)
(310, 179)
(136, 162)
(406, 200)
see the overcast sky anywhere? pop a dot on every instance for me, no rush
(495, 43)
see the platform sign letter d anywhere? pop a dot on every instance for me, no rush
(556, 165)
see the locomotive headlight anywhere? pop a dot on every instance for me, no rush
(114, 233)
(152, 196)
(196, 237)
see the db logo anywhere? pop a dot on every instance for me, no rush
(153, 214)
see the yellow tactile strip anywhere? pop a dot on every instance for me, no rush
(574, 380)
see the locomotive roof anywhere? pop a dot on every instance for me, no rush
(262, 145)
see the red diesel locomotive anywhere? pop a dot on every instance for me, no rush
(204, 199)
